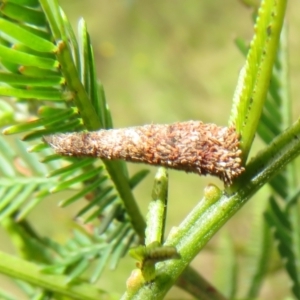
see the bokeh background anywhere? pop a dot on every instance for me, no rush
(169, 61)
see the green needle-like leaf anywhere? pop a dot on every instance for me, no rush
(33, 3)
(50, 95)
(25, 59)
(45, 81)
(26, 37)
(77, 179)
(23, 14)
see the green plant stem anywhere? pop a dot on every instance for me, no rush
(253, 84)
(264, 72)
(125, 192)
(157, 209)
(198, 228)
(20, 269)
(197, 286)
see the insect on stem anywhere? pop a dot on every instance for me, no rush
(191, 146)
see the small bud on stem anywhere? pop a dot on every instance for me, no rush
(190, 146)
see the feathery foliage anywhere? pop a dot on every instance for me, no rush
(49, 80)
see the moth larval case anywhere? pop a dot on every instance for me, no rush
(191, 146)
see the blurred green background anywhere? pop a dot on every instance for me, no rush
(168, 61)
